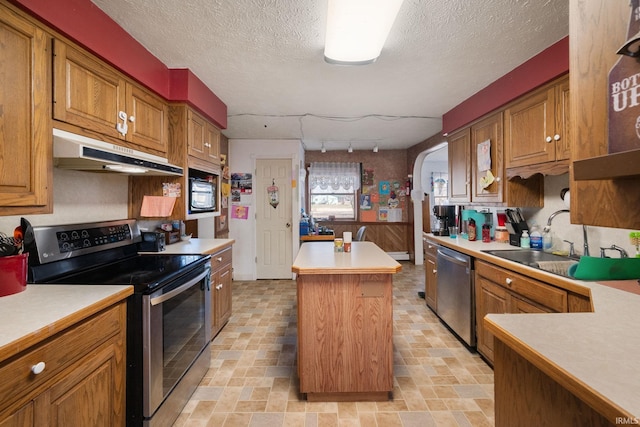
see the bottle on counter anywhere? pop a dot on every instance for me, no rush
(536, 238)
(525, 241)
(471, 230)
(486, 233)
(547, 241)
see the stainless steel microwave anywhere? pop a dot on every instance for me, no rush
(202, 195)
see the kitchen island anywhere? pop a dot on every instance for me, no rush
(345, 322)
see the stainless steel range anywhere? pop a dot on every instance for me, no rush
(168, 316)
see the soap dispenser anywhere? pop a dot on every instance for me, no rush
(525, 241)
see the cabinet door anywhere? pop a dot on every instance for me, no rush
(222, 308)
(88, 394)
(212, 144)
(563, 128)
(490, 298)
(431, 277)
(148, 119)
(459, 147)
(87, 93)
(25, 124)
(488, 129)
(23, 417)
(528, 126)
(197, 134)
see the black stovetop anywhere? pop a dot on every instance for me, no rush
(145, 272)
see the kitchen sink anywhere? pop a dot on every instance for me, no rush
(552, 263)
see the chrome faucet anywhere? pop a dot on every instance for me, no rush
(553, 215)
(623, 253)
(585, 240)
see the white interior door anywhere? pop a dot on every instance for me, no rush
(274, 225)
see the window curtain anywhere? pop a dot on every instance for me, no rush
(334, 177)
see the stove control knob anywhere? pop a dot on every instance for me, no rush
(38, 368)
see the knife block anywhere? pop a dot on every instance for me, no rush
(515, 231)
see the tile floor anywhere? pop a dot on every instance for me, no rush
(253, 381)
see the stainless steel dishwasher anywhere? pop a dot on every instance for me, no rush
(455, 294)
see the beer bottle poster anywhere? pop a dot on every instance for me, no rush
(624, 93)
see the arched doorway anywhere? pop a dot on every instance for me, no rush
(433, 160)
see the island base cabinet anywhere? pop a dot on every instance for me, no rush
(345, 328)
(526, 396)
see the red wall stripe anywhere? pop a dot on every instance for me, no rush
(86, 24)
(547, 65)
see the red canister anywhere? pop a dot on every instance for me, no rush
(13, 274)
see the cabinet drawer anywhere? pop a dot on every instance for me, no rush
(538, 292)
(430, 248)
(59, 352)
(221, 258)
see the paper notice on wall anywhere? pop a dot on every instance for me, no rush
(157, 206)
(484, 155)
(394, 215)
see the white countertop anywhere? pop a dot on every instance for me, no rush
(599, 352)
(41, 311)
(195, 246)
(365, 257)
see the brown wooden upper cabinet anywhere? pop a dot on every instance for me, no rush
(537, 127)
(203, 139)
(469, 180)
(95, 97)
(26, 165)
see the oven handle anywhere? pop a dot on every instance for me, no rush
(165, 297)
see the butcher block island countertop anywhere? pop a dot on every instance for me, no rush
(345, 322)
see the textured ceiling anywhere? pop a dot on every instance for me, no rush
(264, 59)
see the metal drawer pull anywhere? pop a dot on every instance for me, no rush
(38, 368)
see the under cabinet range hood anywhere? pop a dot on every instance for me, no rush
(77, 152)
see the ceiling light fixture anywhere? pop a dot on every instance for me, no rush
(375, 149)
(349, 150)
(322, 149)
(357, 30)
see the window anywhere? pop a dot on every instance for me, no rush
(333, 189)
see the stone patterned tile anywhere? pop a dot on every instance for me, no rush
(252, 380)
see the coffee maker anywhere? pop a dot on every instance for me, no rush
(445, 218)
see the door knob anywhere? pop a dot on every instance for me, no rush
(288, 225)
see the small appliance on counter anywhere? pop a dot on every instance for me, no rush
(152, 241)
(445, 218)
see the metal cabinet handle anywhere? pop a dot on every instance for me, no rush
(508, 281)
(38, 368)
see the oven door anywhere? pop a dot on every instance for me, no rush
(176, 329)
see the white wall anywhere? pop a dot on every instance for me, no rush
(79, 197)
(243, 154)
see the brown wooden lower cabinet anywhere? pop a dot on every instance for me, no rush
(430, 273)
(83, 378)
(500, 291)
(388, 236)
(221, 295)
(526, 396)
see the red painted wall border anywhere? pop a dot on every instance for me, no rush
(86, 24)
(547, 65)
